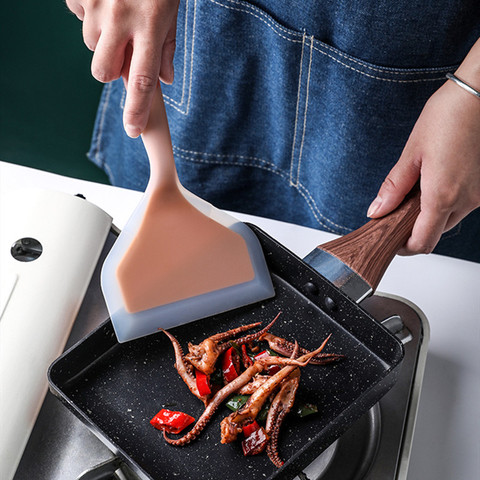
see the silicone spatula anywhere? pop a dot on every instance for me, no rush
(178, 259)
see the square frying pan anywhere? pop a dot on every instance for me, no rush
(116, 388)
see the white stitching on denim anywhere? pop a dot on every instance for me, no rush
(275, 27)
(316, 212)
(305, 112)
(191, 56)
(246, 7)
(173, 103)
(299, 88)
(386, 70)
(270, 167)
(221, 155)
(101, 123)
(185, 49)
(256, 15)
(263, 167)
(375, 76)
(122, 98)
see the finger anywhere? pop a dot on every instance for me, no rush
(141, 83)
(109, 55)
(76, 9)
(454, 219)
(91, 32)
(426, 232)
(168, 52)
(457, 216)
(127, 61)
(401, 179)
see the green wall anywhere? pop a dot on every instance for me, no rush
(48, 97)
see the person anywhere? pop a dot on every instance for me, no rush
(301, 111)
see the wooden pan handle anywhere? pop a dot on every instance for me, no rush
(369, 250)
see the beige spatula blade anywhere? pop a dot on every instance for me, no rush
(179, 253)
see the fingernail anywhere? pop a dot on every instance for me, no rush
(169, 74)
(132, 131)
(428, 249)
(375, 205)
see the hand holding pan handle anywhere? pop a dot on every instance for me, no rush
(357, 261)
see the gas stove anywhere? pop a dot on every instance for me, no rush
(376, 447)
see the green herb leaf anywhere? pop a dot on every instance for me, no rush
(216, 377)
(237, 401)
(306, 409)
(235, 346)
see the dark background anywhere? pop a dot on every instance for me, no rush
(48, 98)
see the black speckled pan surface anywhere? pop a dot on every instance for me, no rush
(117, 388)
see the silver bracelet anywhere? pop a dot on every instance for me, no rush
(462, 84)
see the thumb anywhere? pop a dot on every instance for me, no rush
(401, 179)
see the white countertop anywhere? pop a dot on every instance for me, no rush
(446, 444)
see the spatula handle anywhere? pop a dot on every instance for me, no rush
(158, 144)
(370, 249)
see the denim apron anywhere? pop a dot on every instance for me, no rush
(297, 109)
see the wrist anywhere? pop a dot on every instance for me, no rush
(464, 85)
(469, 69)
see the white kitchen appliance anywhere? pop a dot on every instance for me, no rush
(49, 246)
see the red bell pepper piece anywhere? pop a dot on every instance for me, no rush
(203, 383)
(172, 422)
(230, 372)
(272, 369)
(255, 442)
(262, 354)
(250, 428)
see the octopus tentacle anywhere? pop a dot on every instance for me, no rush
(204, 355)
(295, 351)
(184, 369)
(231, 425)
(251, 337)
(282, 361)
(246, 360)
(253, 385)
(220, 396)
(284, 347)
(259, 380)
(280, 407)
(215, 402)
(235, 331)
(196, 430)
